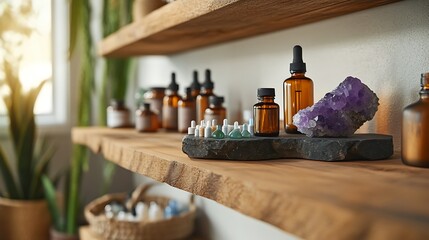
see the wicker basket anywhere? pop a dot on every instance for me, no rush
(178, 227)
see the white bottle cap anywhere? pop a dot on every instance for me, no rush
(191, 129)
(236, 125)
(197, 131)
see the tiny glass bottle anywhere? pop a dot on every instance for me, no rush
(155, 97)
(215, 111)
(195, 85)
(170, 105)
(118, 115)
(202, 102)
(146, 120)
(297, 90)
(186, 111)
(415, 128)
(266, 114)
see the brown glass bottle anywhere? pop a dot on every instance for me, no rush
(155, 97)
(415, 128)
(203, 99)
(118, 115)
(186, 111)
(297, 90)
(146, 120)
(215, 110)
(170, 105)
(266, 114)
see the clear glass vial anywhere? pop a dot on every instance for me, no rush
(266, 114)
(297, 90)
(146, 120)
(415, 128)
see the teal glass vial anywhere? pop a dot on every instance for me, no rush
(266, 114)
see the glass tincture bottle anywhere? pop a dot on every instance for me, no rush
(146, 120)
(118, 115)
(415, 128)
(266, 114)
(155, 97)
(170, 105)
(203, 99)
(297, 90)
(215, 110)
(195, 85)
(186, 111)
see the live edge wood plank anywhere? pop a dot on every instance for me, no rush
(314, 200)
(188, 24)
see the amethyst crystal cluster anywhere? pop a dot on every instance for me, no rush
(340, 112)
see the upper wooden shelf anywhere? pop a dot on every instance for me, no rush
(188, 24)
(311, 199)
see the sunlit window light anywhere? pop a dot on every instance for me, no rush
(36, 63)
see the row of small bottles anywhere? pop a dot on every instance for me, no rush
(165, 108)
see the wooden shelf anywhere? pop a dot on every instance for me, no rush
(189, 24)
(311, 199)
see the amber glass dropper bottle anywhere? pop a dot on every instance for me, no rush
(171, 105)
(202, 102)
(297, 90)
(415, 128)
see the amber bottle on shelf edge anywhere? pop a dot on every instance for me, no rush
(266, 114)
(202, 102)
(297, 90)
(118, 115)
(146, 120)
(415, 128)
(155, 96)
(170, 105)
(186, 111)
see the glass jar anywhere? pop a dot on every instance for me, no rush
(155, 96)
(266, 114)
(146, 120)
(118, 116)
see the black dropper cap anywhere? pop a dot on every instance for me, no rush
(266, 92)
(195, 85)
(208, 84)
(297, 65)
(173, 85)
(188, 91)
(146, 106)
(216, 100)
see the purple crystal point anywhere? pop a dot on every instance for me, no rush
(340, 112)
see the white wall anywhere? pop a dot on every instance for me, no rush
(386, 47)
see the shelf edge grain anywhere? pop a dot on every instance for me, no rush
(297, 207)
(189, 24)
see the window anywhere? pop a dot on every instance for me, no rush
(45, 57)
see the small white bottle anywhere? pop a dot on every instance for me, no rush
(197, 131)
(155, 212)
(208, 130)
(225, 127)
(191, 129)
(250, 129)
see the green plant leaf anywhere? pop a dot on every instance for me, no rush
(43, 155)
(50, 195)
(6, 174)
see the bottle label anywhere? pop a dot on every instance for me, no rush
(143, 123)
(186, 115)
(117, 119)
(169, 117)
(156, 107)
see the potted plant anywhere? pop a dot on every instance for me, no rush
(24, 212)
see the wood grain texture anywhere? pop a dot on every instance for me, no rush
(314, 200)
(189, 24)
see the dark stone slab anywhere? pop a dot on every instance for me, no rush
(357, 147)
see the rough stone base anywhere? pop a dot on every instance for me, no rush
(357, 147)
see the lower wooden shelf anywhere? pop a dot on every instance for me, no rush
(314, 200)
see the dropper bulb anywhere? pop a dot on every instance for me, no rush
(297, 65)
